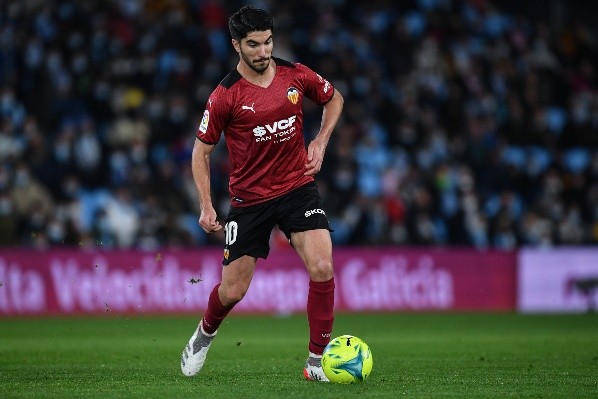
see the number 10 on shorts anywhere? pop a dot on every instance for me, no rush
(230, 233)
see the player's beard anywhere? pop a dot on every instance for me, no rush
(256, 65)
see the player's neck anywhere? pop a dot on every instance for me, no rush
(259, 79)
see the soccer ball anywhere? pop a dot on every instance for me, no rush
(347, 359)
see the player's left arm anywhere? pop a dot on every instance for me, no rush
(317, 147)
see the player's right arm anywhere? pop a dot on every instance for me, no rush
(208, 134)
(200, 166)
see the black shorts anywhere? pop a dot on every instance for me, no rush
(247, 229)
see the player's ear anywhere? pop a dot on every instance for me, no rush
(236, 45)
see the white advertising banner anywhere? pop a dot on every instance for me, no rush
(557, 280)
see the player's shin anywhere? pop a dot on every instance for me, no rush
(215, 312)
(320, 314)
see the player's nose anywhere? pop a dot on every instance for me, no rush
(262, 51)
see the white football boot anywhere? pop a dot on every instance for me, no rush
(313, 369)
(194, 354)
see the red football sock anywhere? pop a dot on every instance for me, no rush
(320, 314)
(215, 313)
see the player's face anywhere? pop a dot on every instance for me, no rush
(256, 50)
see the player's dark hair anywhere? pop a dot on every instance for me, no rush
(249, 19)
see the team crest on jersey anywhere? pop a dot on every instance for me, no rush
(293, 94)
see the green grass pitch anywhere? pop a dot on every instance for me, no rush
(415, 355)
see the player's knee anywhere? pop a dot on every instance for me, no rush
(321, 270)
(233, 294)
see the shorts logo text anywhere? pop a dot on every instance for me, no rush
(314, 211)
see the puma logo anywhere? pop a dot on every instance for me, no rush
(248, 107)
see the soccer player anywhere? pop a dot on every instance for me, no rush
(258, 107)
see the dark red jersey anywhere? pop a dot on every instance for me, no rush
(263, 129)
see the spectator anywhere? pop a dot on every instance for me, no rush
(469, 122)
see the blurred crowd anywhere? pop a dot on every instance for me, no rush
(466, 123)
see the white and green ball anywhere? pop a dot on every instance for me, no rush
(347, 359)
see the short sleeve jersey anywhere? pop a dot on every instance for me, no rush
(263, 130)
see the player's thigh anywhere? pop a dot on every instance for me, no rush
(301, 210)
(247, 232)
(315, 249)
(236, 278)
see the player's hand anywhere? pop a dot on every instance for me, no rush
(208, 222)
(315, 157)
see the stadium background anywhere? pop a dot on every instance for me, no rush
(469, 136)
